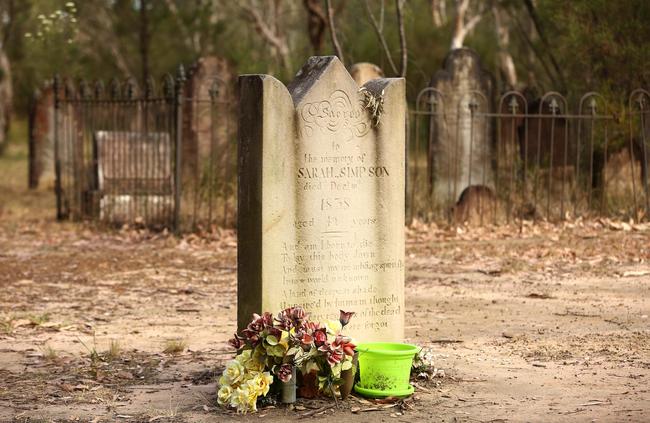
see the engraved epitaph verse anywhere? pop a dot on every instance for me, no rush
(339, 258)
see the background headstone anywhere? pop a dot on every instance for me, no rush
(363, 72)
(462, 146)
(41, 137)
(208, 122)
(135, 180)
(321, 199)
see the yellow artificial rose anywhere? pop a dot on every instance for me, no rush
(244, 356)
(243, 400)
(261, 383)
(239, 399)
(224, 395)
(252, 396)
(234, 372)
(333, 328)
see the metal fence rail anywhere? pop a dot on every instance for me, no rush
(522, 159)
(151, 157)
(165, 157)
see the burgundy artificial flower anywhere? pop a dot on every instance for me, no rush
(275, 332)
(236, 342)
(345, 316)
(285, 372)
(267, 319)
(284, 319)
(333, 353)
(298, 313)
(320, 336)
(310, 327)
(306, 341)
(345, 343)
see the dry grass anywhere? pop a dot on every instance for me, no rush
(114, 350)
(49, 353)
(39, 319)
(174, 346)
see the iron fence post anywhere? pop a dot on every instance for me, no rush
(178, 127)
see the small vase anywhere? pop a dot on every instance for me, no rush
(348, 377)
(288, 389)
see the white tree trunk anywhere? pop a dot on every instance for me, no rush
(462, 27)
(503, 39)
(438, 12)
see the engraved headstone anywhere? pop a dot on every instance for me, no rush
(321, 198)
(208, 118)
(462, 150)
(134, 176)
(41, 138)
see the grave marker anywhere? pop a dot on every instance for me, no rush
(461, 148)
(321, 198)
(135, 178)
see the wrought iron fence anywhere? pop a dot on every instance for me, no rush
(525, 159)
(152, 156)
(166, 157)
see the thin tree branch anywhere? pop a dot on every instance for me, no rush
(534, 48)
(382, 39)
(335, 40)
(188, 40)
(530, 7)
(268, 34)
(399, 5)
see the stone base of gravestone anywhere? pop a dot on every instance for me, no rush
(321, 198)
(462, 136)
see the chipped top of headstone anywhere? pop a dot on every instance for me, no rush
(315, 70)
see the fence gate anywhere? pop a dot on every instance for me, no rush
(125, 155)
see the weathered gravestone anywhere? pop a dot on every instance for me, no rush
(208, 116)
(41, 137)
(134, 177)
(321, 198)
(461, 149)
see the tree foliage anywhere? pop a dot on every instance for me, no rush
(567, 46)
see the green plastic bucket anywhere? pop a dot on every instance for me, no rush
(385, 369)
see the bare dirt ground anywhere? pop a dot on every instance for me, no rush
(531, 323)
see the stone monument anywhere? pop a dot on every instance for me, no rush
(41, 138)
(461, 149)
(321, 198)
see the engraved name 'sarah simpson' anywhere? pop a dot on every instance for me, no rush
(337, 114)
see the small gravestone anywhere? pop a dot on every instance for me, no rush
(41, 138)
(208, 118)
(461, 142)
(321, 198)
(363, 72)
(135, 180)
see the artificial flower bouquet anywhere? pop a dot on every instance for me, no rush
(272, 349)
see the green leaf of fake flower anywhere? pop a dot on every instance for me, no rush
(271, 340)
